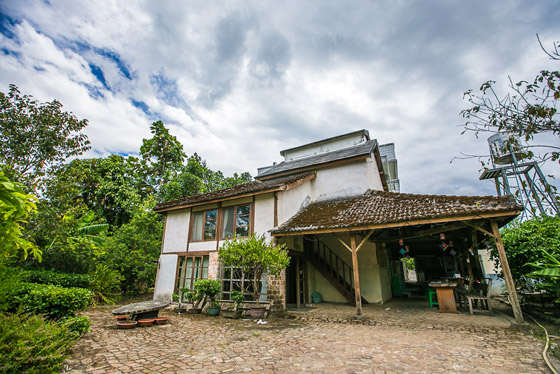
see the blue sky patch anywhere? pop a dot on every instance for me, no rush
(115, 57)
(96, 70)
(141, 105)
(7, 24)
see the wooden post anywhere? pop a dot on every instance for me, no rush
(298, 285)
(356, 275)
(507, 274)
(474, 246)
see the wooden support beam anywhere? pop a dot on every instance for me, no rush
(479, 229)
(344, 244)
(474, 247)
(356, 272)
(364, 240)
(507, 274)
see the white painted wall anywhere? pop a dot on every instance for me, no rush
(176, 231)
(264, 214)
(332, 145)
(165, 280)
(292, 201)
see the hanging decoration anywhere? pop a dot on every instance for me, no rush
(452, 252)
(442, 236)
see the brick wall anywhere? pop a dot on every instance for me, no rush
(277, 292)
(214, 266)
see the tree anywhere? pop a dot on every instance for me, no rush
(529, 109)
(15, 207)
(165, 154)
(254, 257)
(35, 136)
(524, 243)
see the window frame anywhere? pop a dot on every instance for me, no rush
(185, 267)
(219, 222)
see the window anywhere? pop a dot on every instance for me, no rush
(204, 225)
(236, 221)
(190, 269)
(233, 280)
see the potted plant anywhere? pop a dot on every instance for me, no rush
(194, 298)
(234, 312)
(180, 298)
(210, 288)
(255, 258)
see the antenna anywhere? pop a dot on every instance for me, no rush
(523, 180)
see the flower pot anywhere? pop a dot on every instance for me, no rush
(194, 311)
(126, 324)
(227, 313)
(257, 311)
(145, 322)
(122, 318)
(213, 311)
(180, 310)
(160, 320)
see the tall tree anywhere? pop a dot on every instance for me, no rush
(527, 110)
(35, 136)
(164, 153)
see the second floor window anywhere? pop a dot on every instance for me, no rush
(235, 221)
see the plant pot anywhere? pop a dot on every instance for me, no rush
(257, 311)
(122, 318)
(227, 313)
(145, 322)
(180, 310)
(213, 311)
(160, 320)
(194, 311)
(126, 324)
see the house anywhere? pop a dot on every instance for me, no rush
(333, 203)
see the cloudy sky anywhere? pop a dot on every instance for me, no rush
(238, 81)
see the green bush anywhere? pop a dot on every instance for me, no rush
(78, 324)
(54, 302)
(209, 288)
(30, 344)
(58, 279)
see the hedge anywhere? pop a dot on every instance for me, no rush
(59, 279)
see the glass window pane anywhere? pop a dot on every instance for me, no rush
(208, 235)
(242, 221)
(206, 261)
(243, 210)
(197, 227)
(211, 215)
(210, 225)
(242, 231)
(227, 223)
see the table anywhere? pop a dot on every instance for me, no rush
(445, 296)
(143, 309)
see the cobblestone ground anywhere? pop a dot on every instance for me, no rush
(396, 340)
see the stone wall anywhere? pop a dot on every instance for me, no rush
(276, 292)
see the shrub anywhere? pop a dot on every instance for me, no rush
(54, 302)
(105, 284)
(58, 279)
(78, 324)
(209, 288)
(30, 344)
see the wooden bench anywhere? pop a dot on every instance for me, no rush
(480, 296)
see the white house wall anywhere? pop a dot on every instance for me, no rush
(165, 281)
(176, 231)
(264, 214)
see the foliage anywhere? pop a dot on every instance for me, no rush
(9, 286)
(410, 265)
(133, 248)
(35, 136)
(529, 109)
(237, 297)
(15, 208)
(254, 257)
(78, 324)
(42, 276)
(54, 302)
(30, 344)
(547, 271)
(524, 243)
(105, 283)
(208, 288)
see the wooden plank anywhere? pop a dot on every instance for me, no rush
(356, 270)
(298, 285)
(474, 246)
(399, 224)
(344, 244)
(507, 274)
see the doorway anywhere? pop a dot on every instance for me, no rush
(295, 281)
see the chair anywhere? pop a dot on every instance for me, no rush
(432, 294)
(482, 297)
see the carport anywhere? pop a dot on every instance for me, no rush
(329, 235)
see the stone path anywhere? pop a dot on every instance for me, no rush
(398, 342)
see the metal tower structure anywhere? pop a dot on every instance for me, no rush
(522, 179)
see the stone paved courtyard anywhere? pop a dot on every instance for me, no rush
(395, 338)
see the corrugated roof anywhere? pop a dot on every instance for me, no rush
(242, 189)
(322, 158)
(382, 208)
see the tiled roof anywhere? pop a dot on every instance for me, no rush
(322, 158)
(381, 208)
(241, 189)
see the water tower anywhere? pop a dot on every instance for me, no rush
(522, 179)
